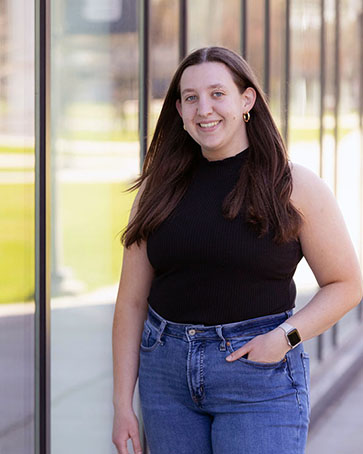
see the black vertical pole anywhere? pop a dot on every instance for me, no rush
(144, 21)
(42, 227)
(244, 28)
(286, 91)
(266, 66)
(183, 29)
(144, 68)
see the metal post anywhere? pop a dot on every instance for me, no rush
(286, 91)
(42, 227)
(266, 66)
(244, 28)
(320, 349)
(183, 29)
(144, 21)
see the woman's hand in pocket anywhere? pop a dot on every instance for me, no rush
(265, 348)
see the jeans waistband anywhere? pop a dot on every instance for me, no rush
(228, 330)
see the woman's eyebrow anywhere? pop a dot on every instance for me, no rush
(187, 90)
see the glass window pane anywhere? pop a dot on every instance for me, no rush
(304, 111)
(304, 105)
(348, 182)
(328, 164)
(17, 226)
(255, 37)
(277, 57)
(164, 52)
(214, 23)
(95, 154)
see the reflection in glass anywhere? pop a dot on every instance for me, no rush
(305, 84)
(348, 176)
(95, 154)
(329, 144)
(304, 120)
(164, 55)
(17, 227)
(255, 37)
(277, 64)
(214, 23)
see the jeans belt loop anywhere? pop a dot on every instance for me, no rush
(161, 329)
(222, 345)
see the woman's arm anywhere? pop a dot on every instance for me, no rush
(329, 252)
(130, 313)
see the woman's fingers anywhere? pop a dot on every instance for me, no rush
(122, 446)
(136, 444)
(239, 353)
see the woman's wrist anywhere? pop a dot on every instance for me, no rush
(121, 404)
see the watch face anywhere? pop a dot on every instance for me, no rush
(294, 337)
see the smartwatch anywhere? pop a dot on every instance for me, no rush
(292, 334)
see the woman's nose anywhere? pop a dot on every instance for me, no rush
(204, 107)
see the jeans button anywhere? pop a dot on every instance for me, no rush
(191, 332)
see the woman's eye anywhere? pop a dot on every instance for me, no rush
(217, 94)
(190, 98)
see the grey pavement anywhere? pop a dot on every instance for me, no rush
(81, 388)
(340, 429)
(16, 384)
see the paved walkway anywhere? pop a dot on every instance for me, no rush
(340, 430)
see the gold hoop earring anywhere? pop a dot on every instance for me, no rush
(246, 117)
(184, 127)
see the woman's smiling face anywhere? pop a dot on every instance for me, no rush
(211, 107)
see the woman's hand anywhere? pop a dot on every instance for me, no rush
(266, 348)
(125, 426)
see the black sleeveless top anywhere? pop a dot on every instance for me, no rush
(210, 270)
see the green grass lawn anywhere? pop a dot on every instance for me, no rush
(92, 215)
(16, 242)
(88, 220)
(12, 149)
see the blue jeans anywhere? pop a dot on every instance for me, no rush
(194, 401)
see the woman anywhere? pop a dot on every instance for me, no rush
(204, 308)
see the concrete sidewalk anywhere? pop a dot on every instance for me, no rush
(340, 429)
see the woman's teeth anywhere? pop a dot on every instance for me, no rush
(208, 125)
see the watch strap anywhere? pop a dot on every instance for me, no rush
(286, 327)
(294, 337)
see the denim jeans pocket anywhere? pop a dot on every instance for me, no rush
(236, 343)
(150, 338)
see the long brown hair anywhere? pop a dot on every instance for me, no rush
(265, 182)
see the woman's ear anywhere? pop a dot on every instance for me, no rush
(179, 107)
(249, 98)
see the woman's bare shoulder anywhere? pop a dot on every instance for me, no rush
(308, 189)
(324, 236)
